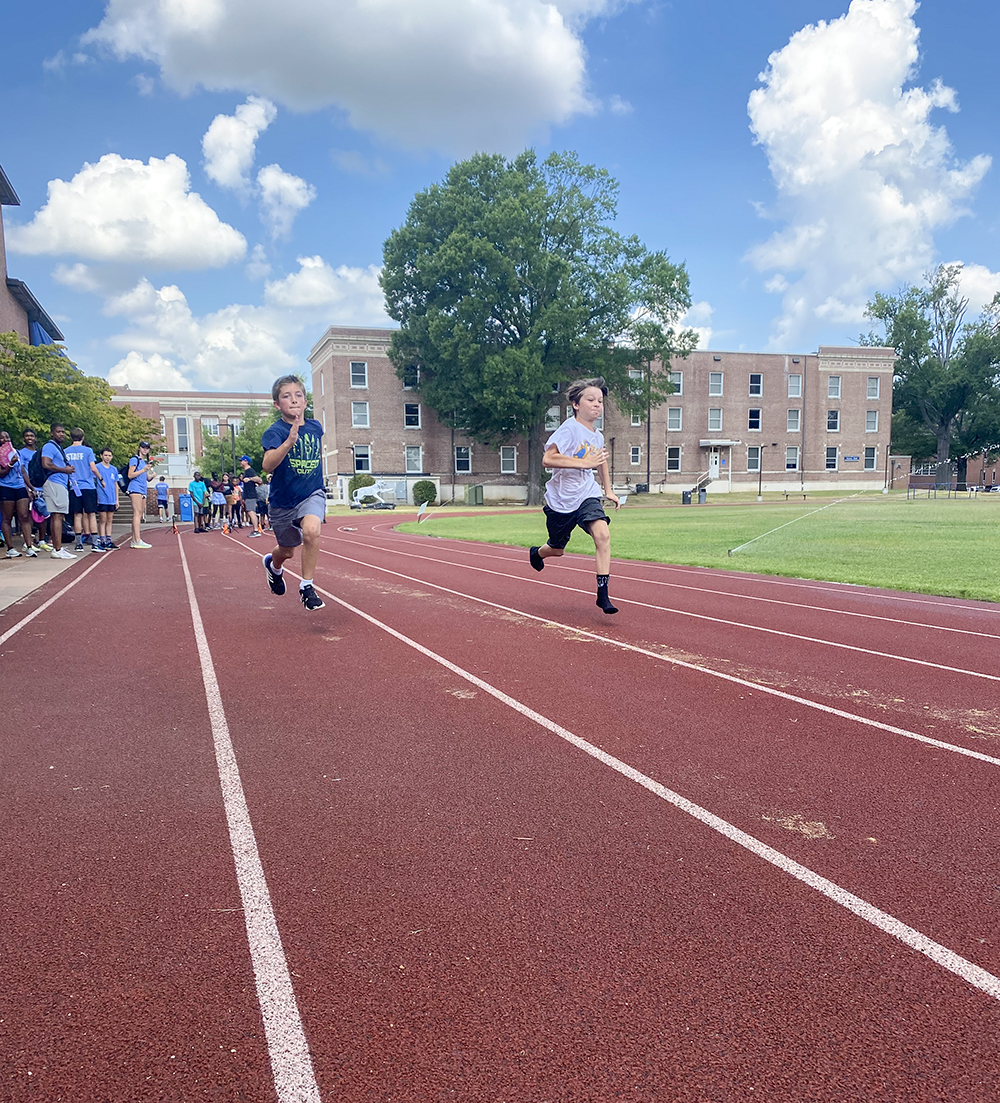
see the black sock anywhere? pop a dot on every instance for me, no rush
(602, 594)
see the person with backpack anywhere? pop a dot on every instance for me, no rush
(14, 499)
(39, 512)
(140, 467)
(55, 488)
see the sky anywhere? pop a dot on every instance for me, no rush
(206, 185)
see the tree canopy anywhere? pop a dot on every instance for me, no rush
(40, 386)
(947, 382)
(218, 451)
(508, 281)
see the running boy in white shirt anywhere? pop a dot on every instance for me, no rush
(572, 497)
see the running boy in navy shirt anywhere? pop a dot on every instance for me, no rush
(293, 453)
(572, 497)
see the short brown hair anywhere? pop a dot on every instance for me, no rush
(279, 383)
(76, 434)
(575, 390)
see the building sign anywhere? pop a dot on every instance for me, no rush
(851, 459)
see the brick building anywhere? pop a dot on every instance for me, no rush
(738, 420)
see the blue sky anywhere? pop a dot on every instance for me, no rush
(206, 184)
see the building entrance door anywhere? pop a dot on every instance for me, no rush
(713, 464)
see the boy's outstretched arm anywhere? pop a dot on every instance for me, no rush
(606, 483)
(554, 458)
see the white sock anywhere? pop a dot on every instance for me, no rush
(305, 582)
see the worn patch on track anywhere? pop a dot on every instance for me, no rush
(812, 829)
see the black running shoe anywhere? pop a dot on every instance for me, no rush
(310, 599)
(536, 560)
(274, 580)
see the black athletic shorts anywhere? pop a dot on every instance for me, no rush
(84, 502)
(560, 525)
(12, 493)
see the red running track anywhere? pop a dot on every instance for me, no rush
(737, 842)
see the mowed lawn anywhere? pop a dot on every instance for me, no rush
(935, 546)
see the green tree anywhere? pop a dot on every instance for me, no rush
(508, 282)
(218, 452)
(947, 370)
(39, 386)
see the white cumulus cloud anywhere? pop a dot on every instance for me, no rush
(317, 284)
(863, 177)
(230, 142)
(979, 285)
(282, 196)
(453, 75)
(129, 212)
(152, 372)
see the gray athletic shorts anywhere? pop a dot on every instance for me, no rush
(285, 522)
(56, 496)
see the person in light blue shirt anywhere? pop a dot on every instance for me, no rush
(83, 491)
(162, 499)
(107, 499)
(140, 467)
(14, 499)
(56, 489)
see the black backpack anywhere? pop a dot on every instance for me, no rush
(36, 473)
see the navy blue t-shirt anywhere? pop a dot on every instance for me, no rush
(300, 473)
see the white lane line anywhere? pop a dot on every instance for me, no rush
(972, 974)
(703, 617)
(669, 660)
(291, 1065)
(55, 597)
(685, 588)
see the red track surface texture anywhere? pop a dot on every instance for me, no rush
(460, 836)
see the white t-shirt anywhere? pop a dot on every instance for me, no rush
(570, 487)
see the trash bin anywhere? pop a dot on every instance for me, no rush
(186, 507)
(702, 496)
(474, 495)
(685, 497)
(642, 488)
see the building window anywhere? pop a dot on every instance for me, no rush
(833, 421)
(677, 379)
(359, 415)
(831, 459)
(163, 426)
(599, 423)
(793, 421)
(322, 384)
(411, 377)
(235, 426)
(463, 458)
(674, 419)
(833, 387)
(753, 458)
(635, 455)
(635, 373)
(795, 386)
(873, 386)
(753, 421)
(551, 419)
(414, 459)
(508, 460)
(673, 459)
(362, 458)
(792, 457)
(181, 433)
(715, 382)
(756, 383)
(359, 374)
(210, 425)
(411, 415)
(636, 420)
(871, 421)
(714, 420)
(869, 459)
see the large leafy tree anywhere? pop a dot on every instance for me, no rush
(218, 452)
(508, 281)
(947, 379)
(39, 385)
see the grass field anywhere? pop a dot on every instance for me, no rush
(935, 546)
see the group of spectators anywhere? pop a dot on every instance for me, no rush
(231, 501)
(74, 485)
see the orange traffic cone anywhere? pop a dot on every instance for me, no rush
(225, 527)
(176, 530)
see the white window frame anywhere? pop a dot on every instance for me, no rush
(793, 421)
(677, 378)
(791, 457)
(753, 457)
(416, 383)
(636, 420)
(871, 421)
(715, 383)
(235, 425)
(833, 386)
(182, 431)
(322, 385)
(357, 412)
(551, 419)
(715, 419)
(635, 455)
(467, 448)
(362, 455)
(874, 392)
(210, 425)
(508, 459)
(674, 460)
(834, 454)
(599, 423)
(795, 385)
(408, 451)
(759, 384)
(675, 419)
(871, 458)
(363, 364)
(750, 418)
(406, 407)
(833, 416)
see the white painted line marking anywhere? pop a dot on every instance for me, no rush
(972, 974)
(699, 616)
(291, 1065)
(55, 597)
